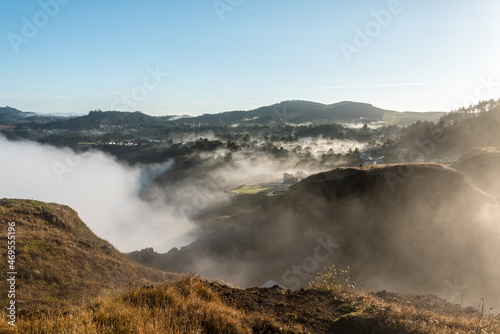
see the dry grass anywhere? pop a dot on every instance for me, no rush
(333, 280)
(184, 306)
(399, 318)
(391, 317)
(190, 305)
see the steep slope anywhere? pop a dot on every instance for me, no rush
(411, 228)
(59, 260)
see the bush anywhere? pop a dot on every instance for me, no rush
(332, 280)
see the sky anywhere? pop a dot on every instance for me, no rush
(205, 56)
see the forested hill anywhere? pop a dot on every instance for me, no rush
(300, 112)
(288, 112)
(455, 134)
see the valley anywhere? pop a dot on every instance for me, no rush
(391, 227)
(232, 167)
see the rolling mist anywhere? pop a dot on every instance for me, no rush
(403, 229)
(126, 205)
(420, 228)
(104, 192)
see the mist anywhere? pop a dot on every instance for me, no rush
(433, 233)
(104, 192)
(126, 205)
(453, 232)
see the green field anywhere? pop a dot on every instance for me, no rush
(254, 189)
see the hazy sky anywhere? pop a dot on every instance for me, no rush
(75, 55)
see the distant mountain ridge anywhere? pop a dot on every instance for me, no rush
(300, 112)
(119, 119)
(96, 119)
(9, 112)
(284, 113)
(12, 117)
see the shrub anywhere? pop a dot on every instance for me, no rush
(332, 280)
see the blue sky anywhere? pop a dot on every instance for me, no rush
(204, 56)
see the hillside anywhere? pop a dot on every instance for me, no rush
(59, 260)
(459, 132)
(410, 228)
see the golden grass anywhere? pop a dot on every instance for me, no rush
(190, 305)
(390, 317)
(184, 306)
(395, 317)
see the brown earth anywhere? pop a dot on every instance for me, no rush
(352, 311)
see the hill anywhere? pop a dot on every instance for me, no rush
(9, 112)
(301, 112)
(288, 112)
(12, 117)
(459, 132)
(59, 260)
(70, 281)
(109, 119)
(405, 228)
(481, 167)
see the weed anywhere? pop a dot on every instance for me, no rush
(332, 280)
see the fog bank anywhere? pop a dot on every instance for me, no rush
(104, 192)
